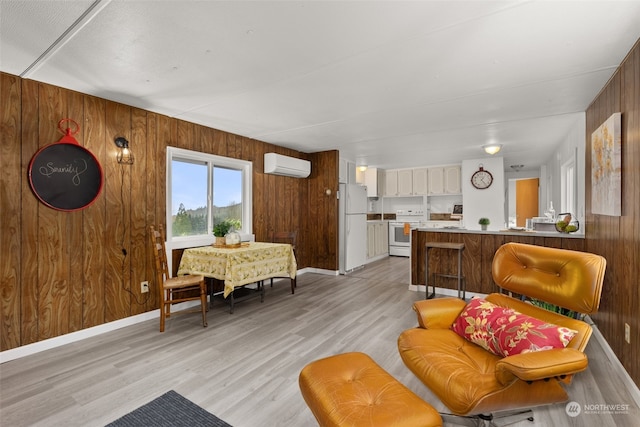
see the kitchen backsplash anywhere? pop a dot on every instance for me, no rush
(441, 217)
(378, 217)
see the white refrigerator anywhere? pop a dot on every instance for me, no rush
(352, 228)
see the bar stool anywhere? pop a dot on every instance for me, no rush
(444, 245)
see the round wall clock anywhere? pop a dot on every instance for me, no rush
(481, 179)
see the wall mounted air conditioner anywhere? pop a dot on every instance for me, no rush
(277, 164)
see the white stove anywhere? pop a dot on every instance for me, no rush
(400, 231)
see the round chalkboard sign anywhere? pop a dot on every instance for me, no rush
(65, 176)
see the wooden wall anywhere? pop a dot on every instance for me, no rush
(62, 272)
(618, 238)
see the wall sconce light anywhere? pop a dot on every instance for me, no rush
(492, 148)
(125, 156)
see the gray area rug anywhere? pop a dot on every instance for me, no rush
(169, 410)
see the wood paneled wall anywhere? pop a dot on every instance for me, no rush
(62, 272)
(618, 238)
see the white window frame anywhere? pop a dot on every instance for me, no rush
(569, 187)
(210, 160)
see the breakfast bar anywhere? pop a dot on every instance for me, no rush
(478, 254)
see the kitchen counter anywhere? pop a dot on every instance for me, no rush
(480, 246)
(507, 232)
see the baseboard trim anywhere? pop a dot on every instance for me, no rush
(617, 365)
(37, 347)
(319, 271)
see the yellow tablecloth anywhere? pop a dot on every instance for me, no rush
(240, 266)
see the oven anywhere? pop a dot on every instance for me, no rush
(400, 231)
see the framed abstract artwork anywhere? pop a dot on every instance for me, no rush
(606, 164)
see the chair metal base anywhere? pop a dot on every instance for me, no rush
(502, 419)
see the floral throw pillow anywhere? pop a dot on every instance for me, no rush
(505, 332)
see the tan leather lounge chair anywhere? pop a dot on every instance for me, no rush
(476, 384)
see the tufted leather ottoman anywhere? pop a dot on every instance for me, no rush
(350, 389)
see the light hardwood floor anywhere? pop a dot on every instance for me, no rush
(244, 367)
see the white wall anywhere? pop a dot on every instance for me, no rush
(489, 203)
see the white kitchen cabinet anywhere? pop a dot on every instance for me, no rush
(391, 183)
(452, 180)
(377, 238)
(351, 173)
(420, 180)
(436, 181)
(382, 238)
(373, 180)
(343, 174)
(371, 239)
(398, 182)
(444, 180)
(405, 182)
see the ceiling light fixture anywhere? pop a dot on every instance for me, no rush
(517, 167)
(362, 166)
(492, 148)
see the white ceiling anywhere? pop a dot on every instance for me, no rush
(389, 83)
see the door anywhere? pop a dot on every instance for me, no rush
(526, 200)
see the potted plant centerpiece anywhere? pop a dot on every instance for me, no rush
(220, 230)
(227, 228)
(483, 223)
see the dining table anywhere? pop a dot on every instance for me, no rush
(251, 262)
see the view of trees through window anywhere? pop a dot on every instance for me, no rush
(191, 191)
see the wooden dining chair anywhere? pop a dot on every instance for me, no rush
(174, 290)
(291, 238)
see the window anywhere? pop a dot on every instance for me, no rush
(204, 189)
(568, 187)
